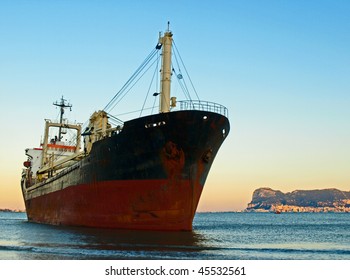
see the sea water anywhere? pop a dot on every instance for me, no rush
(215, 236)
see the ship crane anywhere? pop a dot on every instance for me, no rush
(57, 154)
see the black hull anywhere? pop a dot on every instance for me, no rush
(156, 165)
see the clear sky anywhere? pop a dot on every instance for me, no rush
(282, 68)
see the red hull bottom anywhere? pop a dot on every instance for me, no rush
(131, 204)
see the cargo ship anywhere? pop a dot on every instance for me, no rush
(146, 173)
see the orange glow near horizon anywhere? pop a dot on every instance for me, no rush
(10, 194)
(284, 80)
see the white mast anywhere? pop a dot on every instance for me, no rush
(166, 41)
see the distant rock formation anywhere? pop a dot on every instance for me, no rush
(11, 211)
(326, 200)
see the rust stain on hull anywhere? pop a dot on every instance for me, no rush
(125, 204)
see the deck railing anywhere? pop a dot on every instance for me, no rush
(202, 106)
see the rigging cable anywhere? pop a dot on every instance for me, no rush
(194, 89)
(183, 86)
(149, 88)
(157, 80)
(130, 80)
(135, 82)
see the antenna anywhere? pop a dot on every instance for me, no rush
(168, 26)
(62, 105)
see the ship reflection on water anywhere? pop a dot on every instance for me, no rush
(130, 240)
(91, 243)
